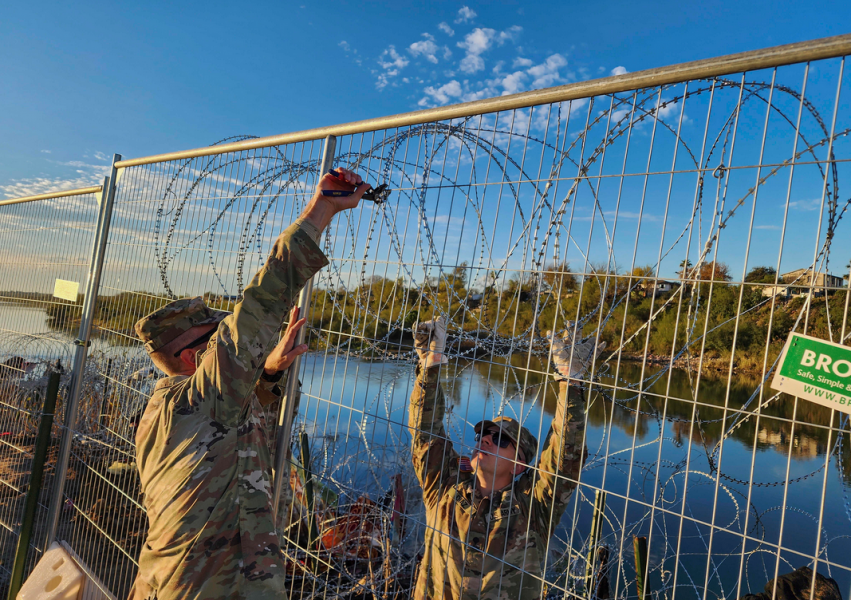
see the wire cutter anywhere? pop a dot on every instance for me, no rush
(377, 195)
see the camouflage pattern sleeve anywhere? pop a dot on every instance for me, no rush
(434, 458)
(551, 485)
(229, 369)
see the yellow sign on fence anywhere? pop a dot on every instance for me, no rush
(67, 290)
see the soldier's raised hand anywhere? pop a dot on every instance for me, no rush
(284, 353)
(583, 354)
(322, 209)
(430, 342)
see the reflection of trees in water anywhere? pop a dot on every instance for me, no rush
(808, 437)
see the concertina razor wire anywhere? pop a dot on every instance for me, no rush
(639, 218)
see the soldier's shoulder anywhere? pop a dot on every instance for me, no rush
(169, 382)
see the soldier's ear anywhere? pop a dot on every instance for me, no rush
(518, 468)
(187, 358)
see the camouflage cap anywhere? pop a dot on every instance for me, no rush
(518, 434)
(164, 325)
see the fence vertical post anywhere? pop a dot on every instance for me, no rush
(31, 504)
(285, 418)
(82, 342)
(640, 546)
(593, 540)
(105, 400)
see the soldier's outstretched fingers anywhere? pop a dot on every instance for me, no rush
(284, 353)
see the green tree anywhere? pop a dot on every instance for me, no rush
(761, 275)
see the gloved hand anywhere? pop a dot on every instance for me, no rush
(583, 353)
(430, 341)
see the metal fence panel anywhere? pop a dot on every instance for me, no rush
(198, 227)
(40, 242)
(690, 225)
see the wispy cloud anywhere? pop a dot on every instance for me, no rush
(807, 205)
(466, 75)
(46, 151)
(479, 41)
(425, 48)
(82, 174)
(443, 94)
(547, 73)
(391, 62)
(465, 14)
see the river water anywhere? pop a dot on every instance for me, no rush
(657, 455)
(659, 470)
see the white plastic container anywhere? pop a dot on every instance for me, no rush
(55, 577)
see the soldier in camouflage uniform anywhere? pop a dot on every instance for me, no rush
(490, 518)
(797, 585)
(202, 449)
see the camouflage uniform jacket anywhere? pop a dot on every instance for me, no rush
(479, 548)
(204, 454)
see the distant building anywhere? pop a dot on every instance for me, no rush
(801, 282)
(666, 287)
(473, 301)
(660, 286)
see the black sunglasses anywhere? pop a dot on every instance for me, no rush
(500, 440)
(201, 340)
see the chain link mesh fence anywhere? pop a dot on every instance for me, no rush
(690, 226)
(40, 242)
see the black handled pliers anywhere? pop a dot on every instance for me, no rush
(377, 195)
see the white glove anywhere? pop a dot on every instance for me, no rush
(583, 354)
(430, 341)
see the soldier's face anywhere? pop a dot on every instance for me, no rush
(494, 455)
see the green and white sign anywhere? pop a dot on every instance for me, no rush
(815, 370)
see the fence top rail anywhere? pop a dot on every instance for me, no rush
(51, 195)
(776, 56)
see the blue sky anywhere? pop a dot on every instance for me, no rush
(81, 82)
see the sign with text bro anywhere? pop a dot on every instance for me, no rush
(815, 370)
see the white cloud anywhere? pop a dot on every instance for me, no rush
(392, 62)
(445, 28)
(480, 40)
(619, 71)
(522, 62)
(425, 48)
(101, 156)
(498, 67)
(814, 204)
(396, 60)
(344, 45)
(513, 83)
(46, 151)
(465, 13)
(18, 188)
(547, 73)
(443, 94)
(475, 43)
(510, 35)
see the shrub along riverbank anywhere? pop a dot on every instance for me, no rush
(704, 319)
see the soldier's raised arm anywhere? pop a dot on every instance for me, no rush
(557, 475)
(246, 337)
(202, 449)
(433, 456)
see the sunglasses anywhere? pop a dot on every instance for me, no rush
(500, 440)
(201, 340)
